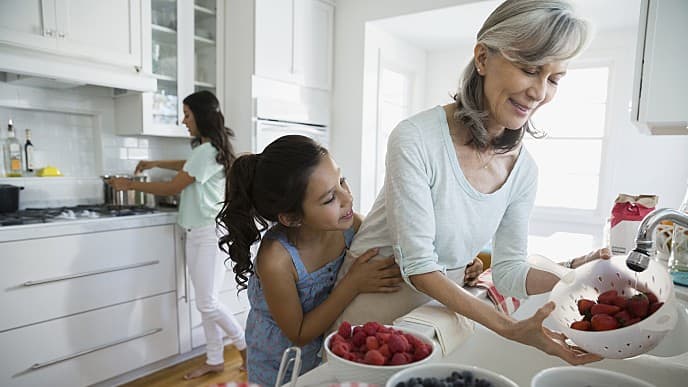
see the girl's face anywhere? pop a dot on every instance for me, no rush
(513, 92)
(327, 204)
(190, 122)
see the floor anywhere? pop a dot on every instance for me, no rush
(174, 376)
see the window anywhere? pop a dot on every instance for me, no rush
(394, 106)
(570, 156)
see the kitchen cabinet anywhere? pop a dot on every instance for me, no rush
(82, 308)
(660, 86)
(183, 51)
(293, 41)
(105, 31)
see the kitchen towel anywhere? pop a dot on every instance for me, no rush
(451, 328)
(506, 305)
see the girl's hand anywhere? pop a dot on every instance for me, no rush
(531, 332)
(119, 183)
(381, 275)
(473, 270)
(143, 165)
(603, 253)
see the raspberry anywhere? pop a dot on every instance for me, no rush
(345, 329)
(374, 357)
(398, 343)
(359, 339)
(399, 359)
(370, 328)
(372, 343)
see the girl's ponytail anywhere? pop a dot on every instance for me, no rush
(238, 218)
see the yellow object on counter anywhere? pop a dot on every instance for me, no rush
(48, 171)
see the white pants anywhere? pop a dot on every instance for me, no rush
(207, 271)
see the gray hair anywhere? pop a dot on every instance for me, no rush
(527, 32)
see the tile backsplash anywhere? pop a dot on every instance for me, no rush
(73, 130)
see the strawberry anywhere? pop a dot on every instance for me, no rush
(651, 297)
(654, 306)
(374, 357)
(620, 301)
(603, 322)
(604, 309)
(638, 305)
(633, 320)
(582, 325)
(345, 329)
(623, 317)
(584, 305)
(607, 297)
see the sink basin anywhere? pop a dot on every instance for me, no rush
(666, 365)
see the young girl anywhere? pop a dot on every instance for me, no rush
(295, 184)
(201, 181)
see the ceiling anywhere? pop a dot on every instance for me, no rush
(450, 27)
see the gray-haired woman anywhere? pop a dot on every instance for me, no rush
(458, 176)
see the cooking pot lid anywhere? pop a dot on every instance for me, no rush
(10, 186)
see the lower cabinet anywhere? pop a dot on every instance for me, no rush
(86, 348)
(237, 305)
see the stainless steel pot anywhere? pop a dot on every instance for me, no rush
(124, 198)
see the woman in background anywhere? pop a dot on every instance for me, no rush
(201, 181)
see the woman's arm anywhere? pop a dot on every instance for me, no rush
(162, 188)
(174, 165)
(278, 279)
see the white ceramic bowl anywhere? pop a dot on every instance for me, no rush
(445, 370)
(578, 376)
(349, 371)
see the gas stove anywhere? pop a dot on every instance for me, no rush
(80, 212)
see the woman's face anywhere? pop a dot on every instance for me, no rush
(514, 92)
(190, 122)
(328, 204)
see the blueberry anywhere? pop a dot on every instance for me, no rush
(456, 375)
(401, 384)
(468, 377)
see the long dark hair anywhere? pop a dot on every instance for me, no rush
(259, 188)
(211, 124)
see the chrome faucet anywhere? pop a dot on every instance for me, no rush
(639, 258)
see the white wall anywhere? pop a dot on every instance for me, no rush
(381, 47)
(74, 130)
(349, 47)
(444, 69)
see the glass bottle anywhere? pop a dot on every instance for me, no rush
(28, 152)
(678, 262)
(13, 153)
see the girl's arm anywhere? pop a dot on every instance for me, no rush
(161, 188)
(278, 278)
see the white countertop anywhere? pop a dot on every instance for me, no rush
(81, 226)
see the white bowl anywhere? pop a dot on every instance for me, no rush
(349, 371)
(444, 370)
(577, 376)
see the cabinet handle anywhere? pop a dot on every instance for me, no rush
(89, 273)
(49, 32)
(61, 34)
(36, 366)
(293, 36)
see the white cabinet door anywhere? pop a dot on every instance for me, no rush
(660, 101)
(313, 26)
(106, 30)
(28, 23)
(274, 51)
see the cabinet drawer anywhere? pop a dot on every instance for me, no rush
(90, 347)
(238, 306)
(70, 274)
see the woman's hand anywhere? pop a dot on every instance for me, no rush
(119, 183)
(374, 276)
(143, 165)
(531, 332)
(473, 270)
(603, 253)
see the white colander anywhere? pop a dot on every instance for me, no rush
(592, 279)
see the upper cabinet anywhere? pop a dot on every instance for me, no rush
(107, 31)
(660, 100)
(293, 41)
(183, 50)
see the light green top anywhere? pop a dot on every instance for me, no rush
(201, 201)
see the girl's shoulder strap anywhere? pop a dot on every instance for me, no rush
(278, 234)
(349, 236)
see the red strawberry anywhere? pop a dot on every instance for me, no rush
(604, 309)
(623, 317)
(607, 297)
(344, 329)
(374, 357)
(372, 343)
(654, 306)
(584, 305)
(651, 297)
(603, 322)
(620, 301)
(582, 325)
(638, 305)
